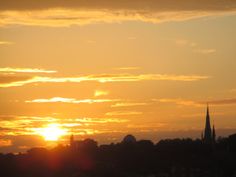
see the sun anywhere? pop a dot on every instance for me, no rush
(52, 132)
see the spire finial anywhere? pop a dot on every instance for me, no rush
(207, 132)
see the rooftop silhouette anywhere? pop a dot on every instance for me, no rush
(128, 158)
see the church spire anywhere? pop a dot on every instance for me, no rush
(213, 134)
(207, 132)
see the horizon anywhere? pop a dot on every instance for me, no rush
(105, 69)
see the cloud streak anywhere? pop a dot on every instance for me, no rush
(180, 101)
(205, 51)
(25, 70)
(128, 68)
(98, 93)
(6, 43)
(26, 125)
(123, 113)
(102, 78)
(65, 13)
(126, 104)
(70, 100)
(213, 5)
(223, 101)
(183, 102)
(5, 142)
(194, 46)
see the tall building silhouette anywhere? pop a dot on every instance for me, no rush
(209, 134)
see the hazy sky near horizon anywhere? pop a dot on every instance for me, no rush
(106, 68)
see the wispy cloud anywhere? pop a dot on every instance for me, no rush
(100, 120)
(205, 51)
(26, 125)
(98, 93)
(223, 101)
(65, 13)
(194, 46)
(5, 142)
(25, 70)
(70, 100)
(151, 126)
(185, 102)
(128, 104)
(6, 42)
(128, 68)
(180, 102)
(122, 113)
(102, 78)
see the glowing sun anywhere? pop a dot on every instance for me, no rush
(52, 132)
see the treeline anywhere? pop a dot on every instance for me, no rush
(167, 158)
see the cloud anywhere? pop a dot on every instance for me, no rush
(128, 104)
(194, 46)
(147, 127)
(183, 102)
(128, 68)
(180, 101)
(5, 142)
(70, 100)
(223, 101)
(65, 13)
(102, 78)
(100, 120)
(25, 70)
(122, 113)
(98, 93)
(213, 5)
(13, 125)
(205, 51)
(6, 43)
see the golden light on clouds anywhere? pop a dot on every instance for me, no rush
(128, 104)
(70, 100)
(52, 132)
(128, 68)
(6, 43)
(123, 113)
(102, 78)
(5, 142)
(98, 93)
(80, 12)
(25, 70)
(111, 67)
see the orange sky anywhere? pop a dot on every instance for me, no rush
(103, 69)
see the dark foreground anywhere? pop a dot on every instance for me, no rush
(168, 158)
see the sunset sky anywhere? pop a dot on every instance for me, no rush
(106, 68)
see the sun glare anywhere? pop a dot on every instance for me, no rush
(52, 132)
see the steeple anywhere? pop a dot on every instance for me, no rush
(213, 134)
(207, 132)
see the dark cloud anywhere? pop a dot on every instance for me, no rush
(59, 13)
(162, 5)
